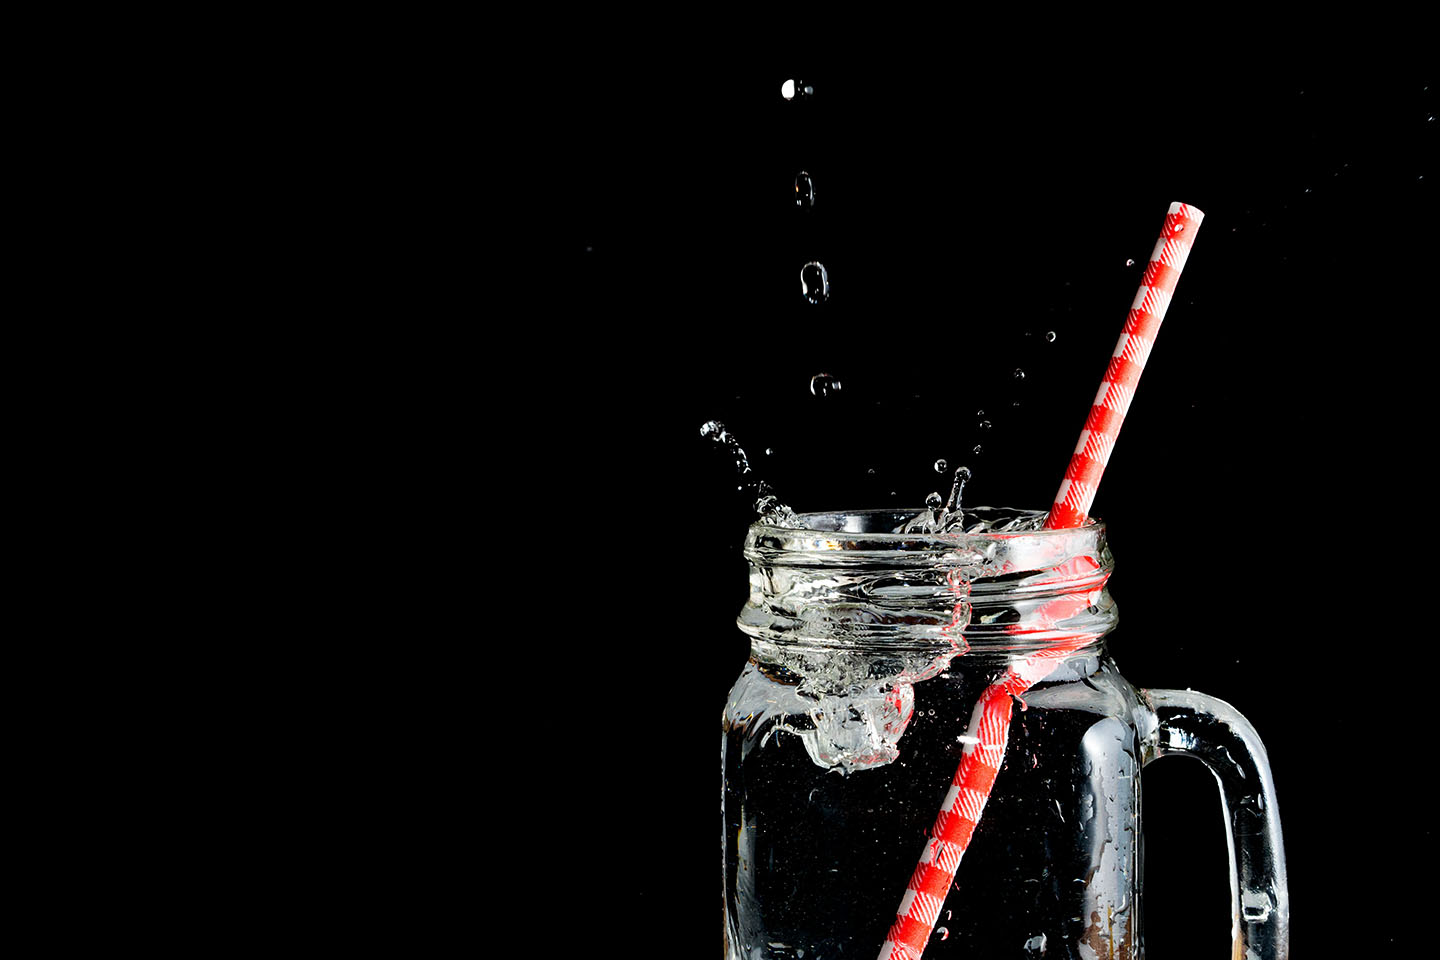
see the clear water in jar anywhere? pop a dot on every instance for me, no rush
(818, 858)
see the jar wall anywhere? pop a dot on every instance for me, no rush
(817, 854)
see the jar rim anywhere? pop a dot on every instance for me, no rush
(827, 531)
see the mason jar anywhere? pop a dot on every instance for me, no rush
(931, 751)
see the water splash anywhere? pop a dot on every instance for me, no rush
(941, 515)
(715, 430)
(768, 507)
(774, 513)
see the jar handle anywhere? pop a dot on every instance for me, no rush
(1193, 724)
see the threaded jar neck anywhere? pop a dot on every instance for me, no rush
(848, 581)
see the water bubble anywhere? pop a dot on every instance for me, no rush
(940, 466)
(1019, 374)
(823, 385)
(1049, 336)
(814, 282)
(804, 191)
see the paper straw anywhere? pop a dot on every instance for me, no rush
(989, 729)
(1107, 413)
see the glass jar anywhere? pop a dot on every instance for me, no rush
(852, 824)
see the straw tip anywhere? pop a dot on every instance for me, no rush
(1186, 210)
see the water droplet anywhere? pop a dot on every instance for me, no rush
(1129, 263)
(944, 934)
(930, 712)
(1019, 374)
(940, 466)
(1179, 227)
(769, 451)
(871, 471)
(804, 191)
(934, 500)
(823, 385)
(787, 89)
(1049, 336)
(711, 427)
(791, 89)
(978, 449)
(814, 282)
(984, 424)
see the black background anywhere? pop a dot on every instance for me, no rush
(1277, 446)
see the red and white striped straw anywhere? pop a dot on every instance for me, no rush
(1107, 413)
(989, 730)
